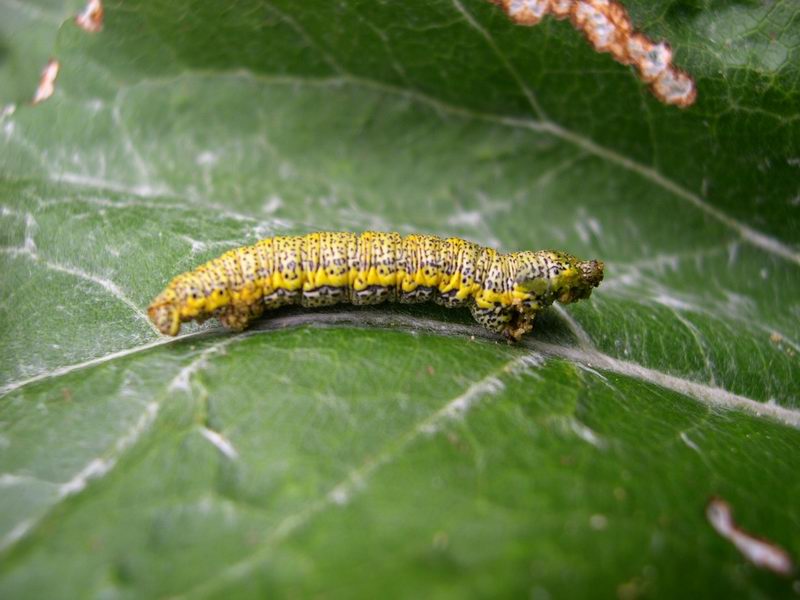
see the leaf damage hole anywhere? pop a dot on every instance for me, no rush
(608, 27)
(762, 553)
(47, 81)
(90, 19)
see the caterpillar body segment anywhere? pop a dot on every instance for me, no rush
(504, 292)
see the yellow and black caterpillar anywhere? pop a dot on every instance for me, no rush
(503, 291)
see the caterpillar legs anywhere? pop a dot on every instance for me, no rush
(509, 321)
(237, 318)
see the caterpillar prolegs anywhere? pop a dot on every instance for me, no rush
(503, 291)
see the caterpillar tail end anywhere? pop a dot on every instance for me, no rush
(165, 316)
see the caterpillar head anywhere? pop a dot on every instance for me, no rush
(590, 276)
(559, 276)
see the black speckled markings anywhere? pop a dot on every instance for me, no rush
(503, 291)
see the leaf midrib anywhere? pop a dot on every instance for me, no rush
(377, 318)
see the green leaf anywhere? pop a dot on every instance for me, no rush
(360, 451)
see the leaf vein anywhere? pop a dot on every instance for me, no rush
(357, 478)
(100, 466)
(703, 393)
(108, 285)
(745, 232)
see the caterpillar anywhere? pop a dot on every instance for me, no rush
(504, 292)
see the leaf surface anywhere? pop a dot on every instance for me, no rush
(349, 451)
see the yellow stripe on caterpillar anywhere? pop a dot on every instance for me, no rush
(503, 291)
